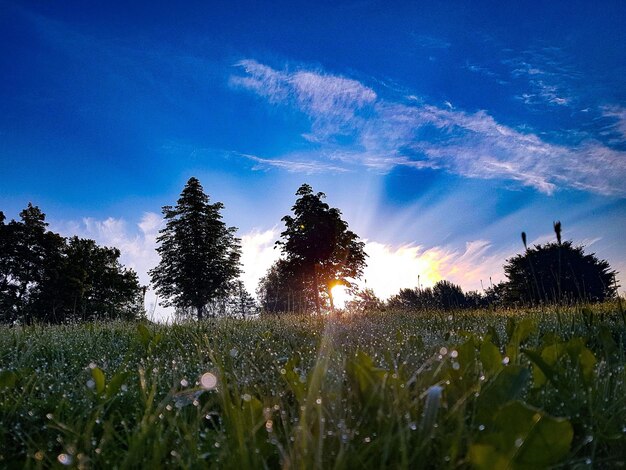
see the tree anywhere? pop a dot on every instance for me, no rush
(557, 272)
(448, 295)
(45, 277)
(365, 300)
(240, 303)
(284, 290)
(199, 254)
(317, 244)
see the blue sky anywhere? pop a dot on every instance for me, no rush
(441, 129)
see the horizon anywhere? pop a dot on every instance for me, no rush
(440, 133)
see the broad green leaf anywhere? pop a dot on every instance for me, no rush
(609, 346)
(521, 332)
(581, 355)
(144, 334)
(493, 335)
(522, 437)
(8, 379)
(487, 457)
(542, 371)
(115, 383)
(508, 385)
(491, 358)
(98, 377)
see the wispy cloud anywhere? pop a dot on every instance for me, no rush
(431, 42)
(548, 78)
(618, 115)
(386, 133)
(293, 165)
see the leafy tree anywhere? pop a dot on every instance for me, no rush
(557, 272)
(448, 295)
(40, 280)
(199, 254)
(240, 303)
(318, 245)
(283, 289)
(364, 300)
(96, 284)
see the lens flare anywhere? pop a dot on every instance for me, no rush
(340, 296)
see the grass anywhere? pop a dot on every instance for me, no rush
(478, 389)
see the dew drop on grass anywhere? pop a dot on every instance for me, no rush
(91, 384)
(481, 427)
(208, 381)
(506, 360)
(443, 351)
(246, 397)
(184, 383)
(65, 459)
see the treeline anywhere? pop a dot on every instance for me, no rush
(555, 272)
(45, 277)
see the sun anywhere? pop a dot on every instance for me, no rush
(340, 296)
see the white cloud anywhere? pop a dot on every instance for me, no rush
(391, 268)
(293, 165)
(136, 242)
(387, 133)
(257, 255)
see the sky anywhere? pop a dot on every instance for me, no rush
(442, 130)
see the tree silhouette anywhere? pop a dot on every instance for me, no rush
(199, 254)
(557, 272)
(318, 245)
(47, 278)
(284, 289)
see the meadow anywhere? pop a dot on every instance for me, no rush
(517, 389)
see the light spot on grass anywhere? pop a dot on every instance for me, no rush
(208, 381)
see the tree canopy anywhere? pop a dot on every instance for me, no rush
(199, 254)
(318, 247)
(47, 278)
(558, 272)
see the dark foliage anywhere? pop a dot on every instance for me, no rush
(47, 278)
(199, 254)
(558, 272)
(320, 250)
(443, 295)
(284, 290)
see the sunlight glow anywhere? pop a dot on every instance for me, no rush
(340, 296)
(389, 269)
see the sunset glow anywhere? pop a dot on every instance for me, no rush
(340, 296)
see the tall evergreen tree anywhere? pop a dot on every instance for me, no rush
(317, 242)
(199, 254)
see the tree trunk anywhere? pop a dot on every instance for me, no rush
(330, 297)
(317, 290)
(199, 309)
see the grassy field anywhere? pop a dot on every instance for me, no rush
(511, 389)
